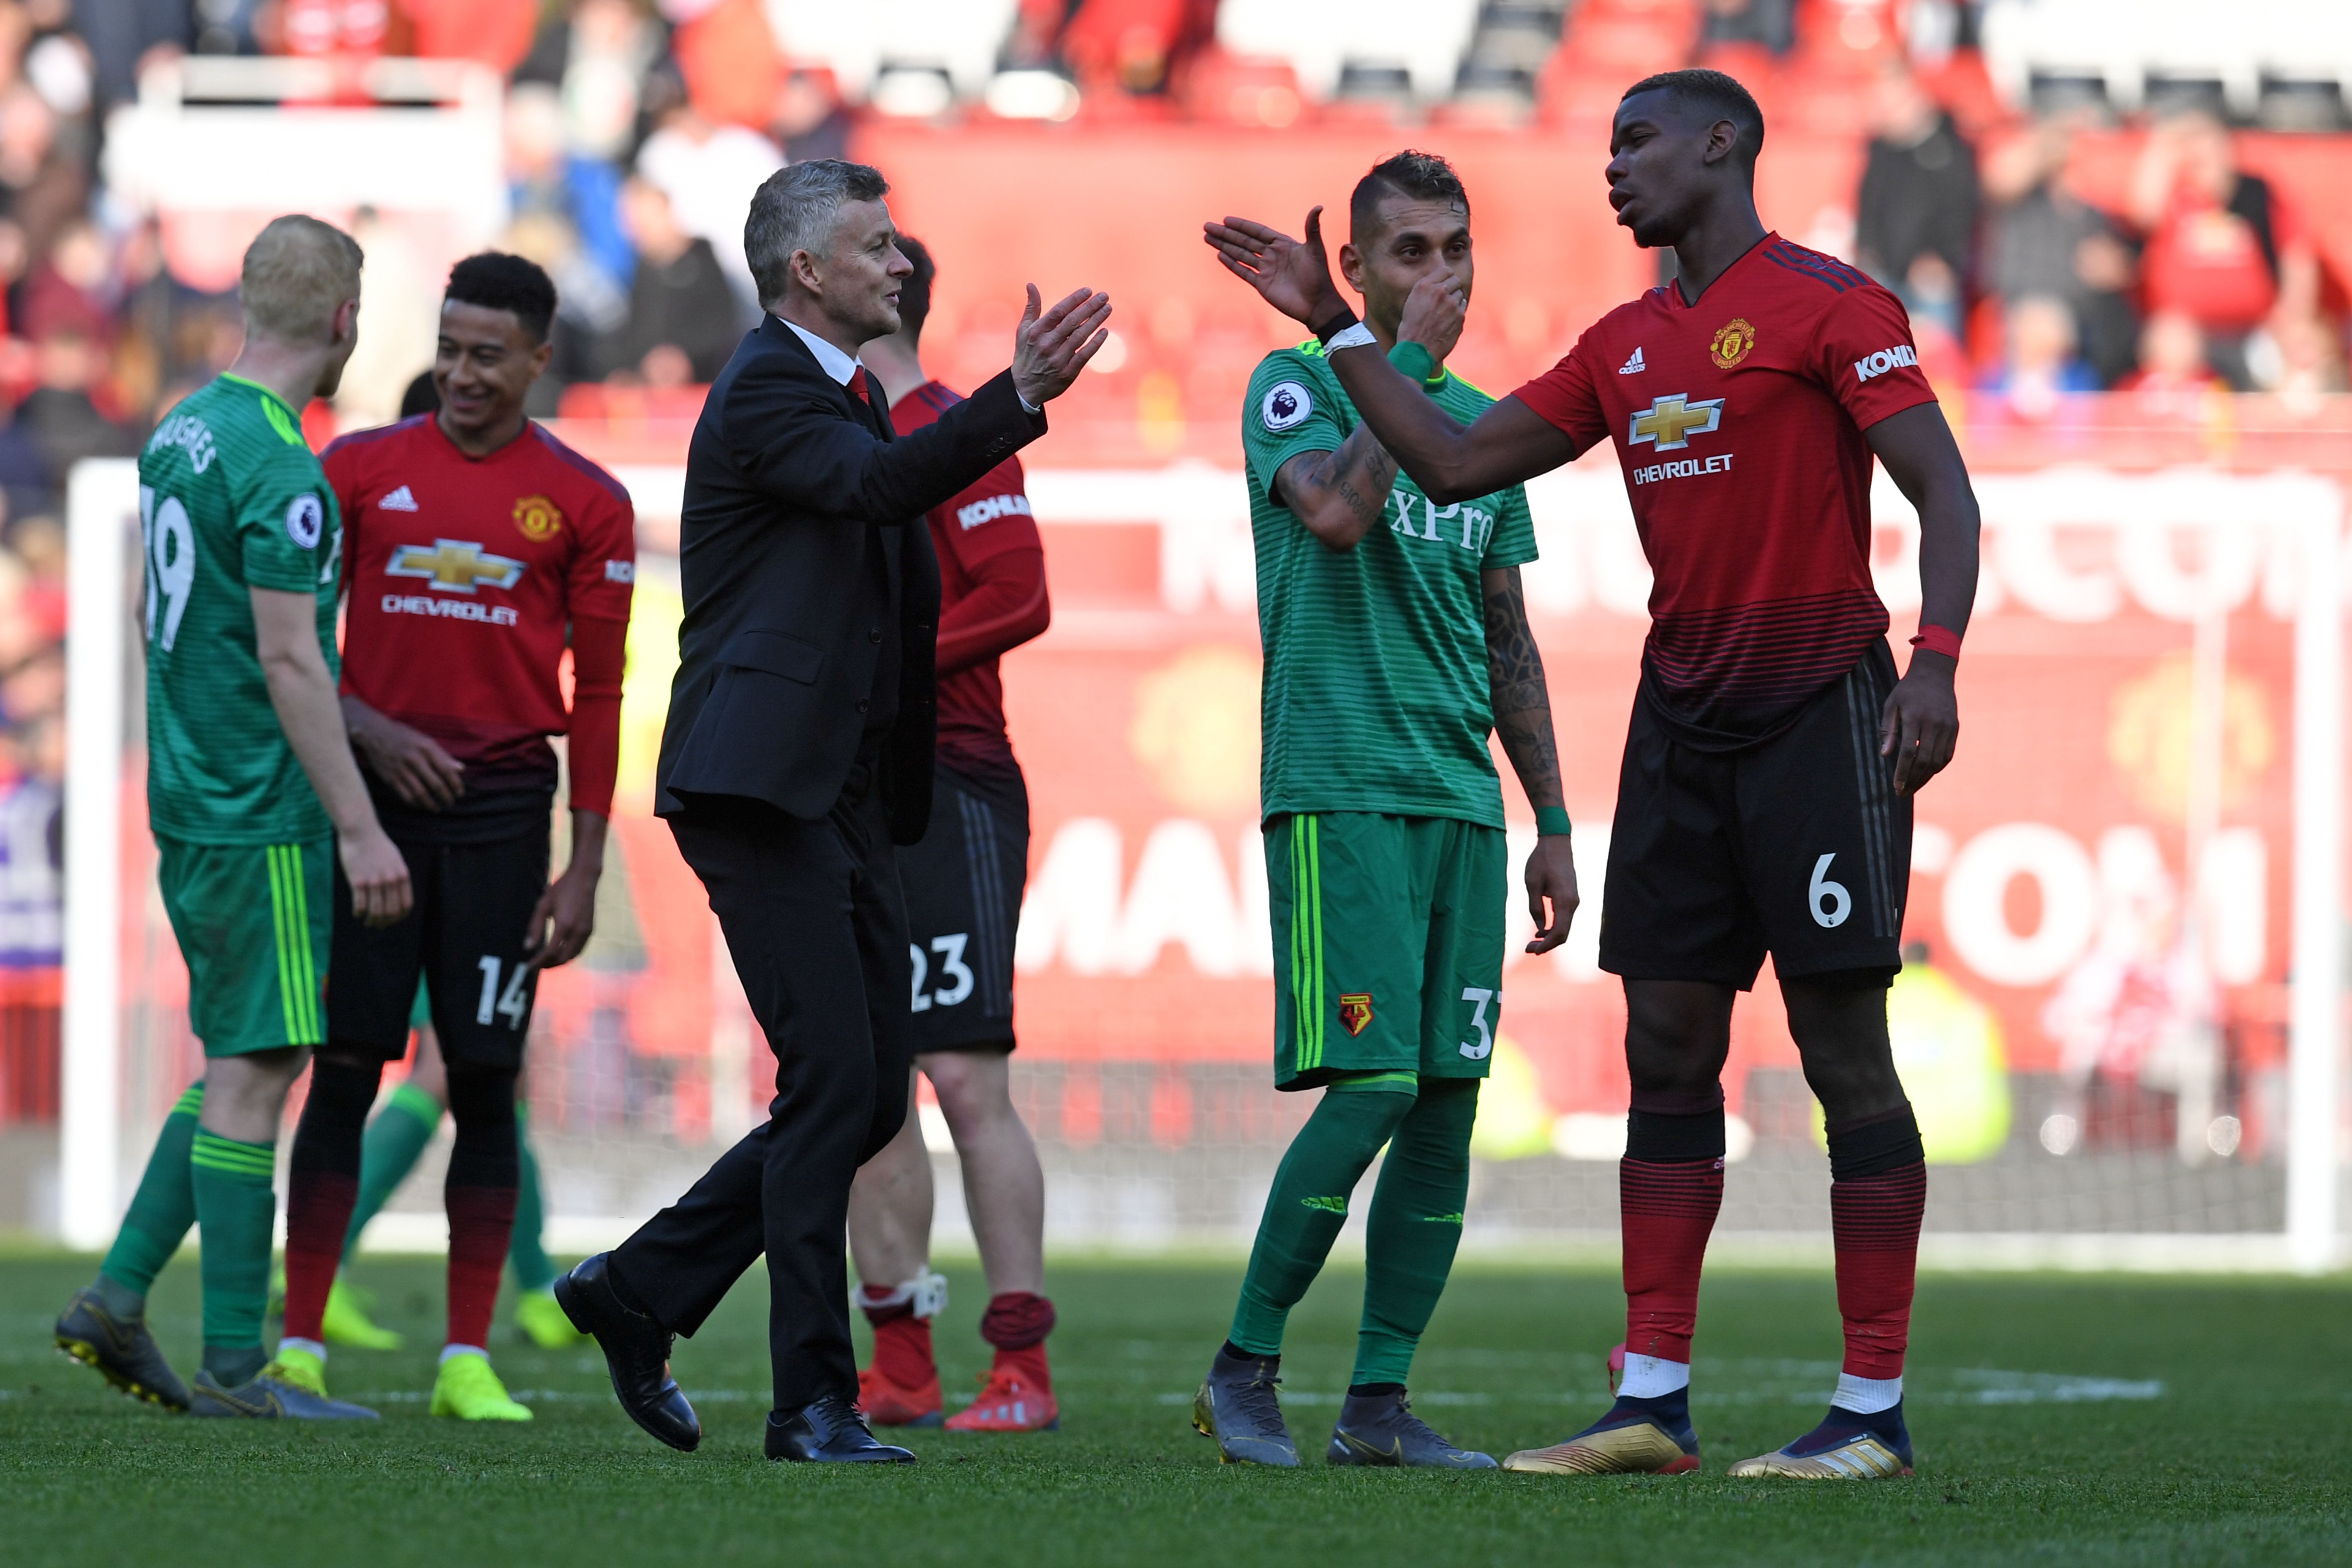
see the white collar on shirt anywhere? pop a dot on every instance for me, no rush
(831, 360)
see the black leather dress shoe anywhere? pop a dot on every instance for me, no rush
(830, 1431)
(636, 1353)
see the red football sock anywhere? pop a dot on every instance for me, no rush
(1016, 1323)
(481, 1221)
(902, 1342)
(318, 1210)
(1666, 1212)
(1876, 1222)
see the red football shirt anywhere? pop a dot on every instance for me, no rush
(465, 575)
(992, 595)
(1739, 423)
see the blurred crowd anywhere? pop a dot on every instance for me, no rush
(632, 129)
(2201, 276)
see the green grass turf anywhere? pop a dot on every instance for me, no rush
(2024, 1455)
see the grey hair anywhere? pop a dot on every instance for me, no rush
(797, 208)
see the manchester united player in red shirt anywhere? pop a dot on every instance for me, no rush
(477, 547)
(1765, 800)
(963, 886)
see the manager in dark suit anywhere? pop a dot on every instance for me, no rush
(798, 751)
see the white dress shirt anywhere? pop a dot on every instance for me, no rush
(831, 360)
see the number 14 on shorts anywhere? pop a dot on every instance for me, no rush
(509, 1003)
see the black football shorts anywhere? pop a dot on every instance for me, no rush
(964, 884)
(464, 936)
(1798, 846)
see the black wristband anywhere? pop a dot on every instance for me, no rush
(1327, 329)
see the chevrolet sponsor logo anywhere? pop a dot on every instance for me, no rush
(1670, 422)
(455, 566)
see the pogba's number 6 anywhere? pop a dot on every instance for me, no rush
(1829, 902)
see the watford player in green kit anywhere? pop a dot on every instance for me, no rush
(251, 789)
(1396, 638)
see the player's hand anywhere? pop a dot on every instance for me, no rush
(1434, 314)
(1921, 723)
(1551, 892)
(381, 895)
(1292, 276)
(1049, 349)
(563, 920)
(424, 775)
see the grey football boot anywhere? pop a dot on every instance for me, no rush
(1382, 1429)
(121, 1350)
(270, 1396)
(1238, 1407)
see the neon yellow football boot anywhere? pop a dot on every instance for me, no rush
(541, 1320)
(467, 1389)
(346, 1320)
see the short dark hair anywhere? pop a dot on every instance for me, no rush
(914, 293)
(498, 281)
(797, 208)
(1717, 94)
(1408, 173)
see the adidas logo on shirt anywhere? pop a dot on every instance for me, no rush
(398, 500)
(1632, 366)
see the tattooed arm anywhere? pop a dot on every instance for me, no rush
(1515, 678)
(1339, 496)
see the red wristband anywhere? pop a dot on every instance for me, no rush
(1939, 639)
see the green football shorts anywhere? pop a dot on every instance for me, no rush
(253, 920)
(1388, 945)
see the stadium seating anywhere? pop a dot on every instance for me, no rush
(861, 41)
(1326, 40)
(2136, 52)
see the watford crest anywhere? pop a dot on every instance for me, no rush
(1356, 1011)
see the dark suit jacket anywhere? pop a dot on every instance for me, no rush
(795, 529)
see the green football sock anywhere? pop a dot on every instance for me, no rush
(1415, 1226)
(1309, 1200)
(161, 1211)
(533, 1270)
(235, 1205)
(395, 1141)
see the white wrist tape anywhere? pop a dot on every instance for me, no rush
(1356, 337)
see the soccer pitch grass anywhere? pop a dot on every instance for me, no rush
(2062, 1419)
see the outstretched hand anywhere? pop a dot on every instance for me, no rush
(1292, 276)
(1050, 348)
(1434, 314)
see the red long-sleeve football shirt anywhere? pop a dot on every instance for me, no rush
(467, 577)
(992, 599)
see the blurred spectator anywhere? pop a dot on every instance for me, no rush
(2301, 359)
(595, 54)
(72, 289)
(497, 33)
(1771, 23)
(2173, 382)
(546, 180)
(2040, 367)
(43, 184)
(2043, 240)
(321, 27)
(733, 69)
(2223, 248)
(60, 417)
(1915, 220)
(810, 119)
(708, 172)
(682, 320)
(124, 33)
(586, 312)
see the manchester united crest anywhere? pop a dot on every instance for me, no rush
(1356, 1011)
(537, 519)
(1732, 341)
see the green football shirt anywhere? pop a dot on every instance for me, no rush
(1375, 696)
(230, 498)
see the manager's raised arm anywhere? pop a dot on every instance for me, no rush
(825, 258)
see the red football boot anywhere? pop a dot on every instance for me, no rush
(887, 1404)
(1018, 1398)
